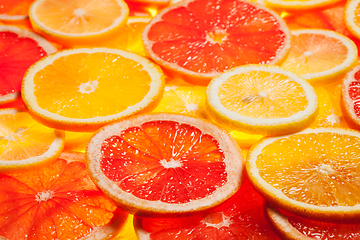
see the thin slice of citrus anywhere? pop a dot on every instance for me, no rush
(19, 49)
(320, 56)
(352, 17)
(350, 96)
(290, 226)
(198, 39)
(264, 100)
(300, 4)
(84, 89)
(135, 26)
(57, 201)
(14, 10)
(314, 173)
(241, 217)
(25, 143)
(81, 22)
(165, 164)
(76, 141)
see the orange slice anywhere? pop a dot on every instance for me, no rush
(263, 100)
(135, 27)
(299, 4)
(24, 143)
(350, 96)
(55, 202)
(313, 174)
(19, 49)
(197, 42)
(84, 89)
(352, 17)
(14, 10)
(237, 218)
(81, 22)
(290, 226)
(165, 164)
(320, 56)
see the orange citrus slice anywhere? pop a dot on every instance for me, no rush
(290, 226)
(350, 95)
(299, 4)
(264, 100)
(57, 201)
(135, 26)
(14, 10)
(19, 49)
(239, 217)
(84, 89)
(24, 143)
(76, 141)
(320, 56)
(352, 17)
(313, 174)
(165, 164)
(197, 42)
(79, 23)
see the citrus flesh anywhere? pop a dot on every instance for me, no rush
(135, 26)
(313, 173)
(24, 143)
(352, 17)
(57, 201)
(90, 93)
(158, 164)
(183, 36)
(19, 49)
(14, 10)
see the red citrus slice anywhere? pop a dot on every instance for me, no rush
(14, 9)
(241, 217)
(350, 98)
(165, 164)
(198, 39)
(58, 201)
(19, 48)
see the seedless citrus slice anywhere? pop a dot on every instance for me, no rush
(290, 226)
(14, 10)
(320, 56)
(314, 173)
(19, 49)
(352, 17)
(84, 89)
(265, 100)
(198, 39)
(57, 201)
(135, 26)
(300, 4)
(165, 164)
(25, 143)
(79, 23)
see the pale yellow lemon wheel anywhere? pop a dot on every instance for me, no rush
(259, 99)
(25, 143)
(352, 17)
(320, 56)
(83, 89)
(79, 23)
(313, 173)
(299, 5)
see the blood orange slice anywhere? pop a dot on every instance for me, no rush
(58, 201)
(199, 39)
(19, 48)
(241, 217)
(165, 164)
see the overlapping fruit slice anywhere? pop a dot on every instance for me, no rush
(199, 39)
(57, 201)
(14, 10)
(300, 4)
(165, 164)
(314, 174)
(19, 48)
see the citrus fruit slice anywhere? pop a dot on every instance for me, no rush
(352, 17)
(79, 23)
(19, 49)
(239, 218)
(14, 10)
(25, 143)
(165, 164)
(135, 26)
(350, 95)
(264, 100)
(290, 226)
(320, 56)
(76, 141)
(198, 39)
(57, 201)
(313, 173)
(299, 4)
(84, 89)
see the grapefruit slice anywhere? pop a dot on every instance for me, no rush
(198, 39)
(165, 164)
